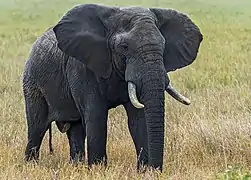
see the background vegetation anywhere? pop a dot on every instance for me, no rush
(210, 139)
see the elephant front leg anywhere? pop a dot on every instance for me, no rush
(92, 106)
(76, 136)
(138, 131)
(96, 129)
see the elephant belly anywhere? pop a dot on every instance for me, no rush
(62, 106)
(66, 114)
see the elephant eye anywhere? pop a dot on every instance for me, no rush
(124, 46)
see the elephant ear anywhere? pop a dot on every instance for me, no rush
(182, 37)
(81, 34)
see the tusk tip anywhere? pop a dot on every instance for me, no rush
(142, 106)
(187, 102)
(139, 106)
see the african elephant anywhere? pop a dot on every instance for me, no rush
(98, 57)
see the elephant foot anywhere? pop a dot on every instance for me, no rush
(79, 158)
(63, 127)
(31, 154)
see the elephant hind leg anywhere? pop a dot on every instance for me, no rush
(76, 136)
(37, 121)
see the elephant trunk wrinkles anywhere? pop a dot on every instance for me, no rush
(153, 89)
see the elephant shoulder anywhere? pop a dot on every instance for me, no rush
(47, 40)
(45, 47)
(45, 57)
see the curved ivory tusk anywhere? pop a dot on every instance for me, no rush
(176, 95)
(133, 97)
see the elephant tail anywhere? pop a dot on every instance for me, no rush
(50, 140)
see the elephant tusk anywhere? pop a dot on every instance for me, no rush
(176, 95)
(133, 97)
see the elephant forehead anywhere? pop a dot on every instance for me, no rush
(135, 10)
(134, 14)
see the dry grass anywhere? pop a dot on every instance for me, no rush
(202, 140)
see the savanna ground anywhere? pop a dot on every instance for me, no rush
(209, 139)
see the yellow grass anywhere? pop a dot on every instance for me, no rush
(209, 139)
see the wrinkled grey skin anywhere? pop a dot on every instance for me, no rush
(79, 69)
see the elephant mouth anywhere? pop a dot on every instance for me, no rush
(169, 89)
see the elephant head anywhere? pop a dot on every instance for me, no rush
(142, 45)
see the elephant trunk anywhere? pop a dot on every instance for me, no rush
(152, 96)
